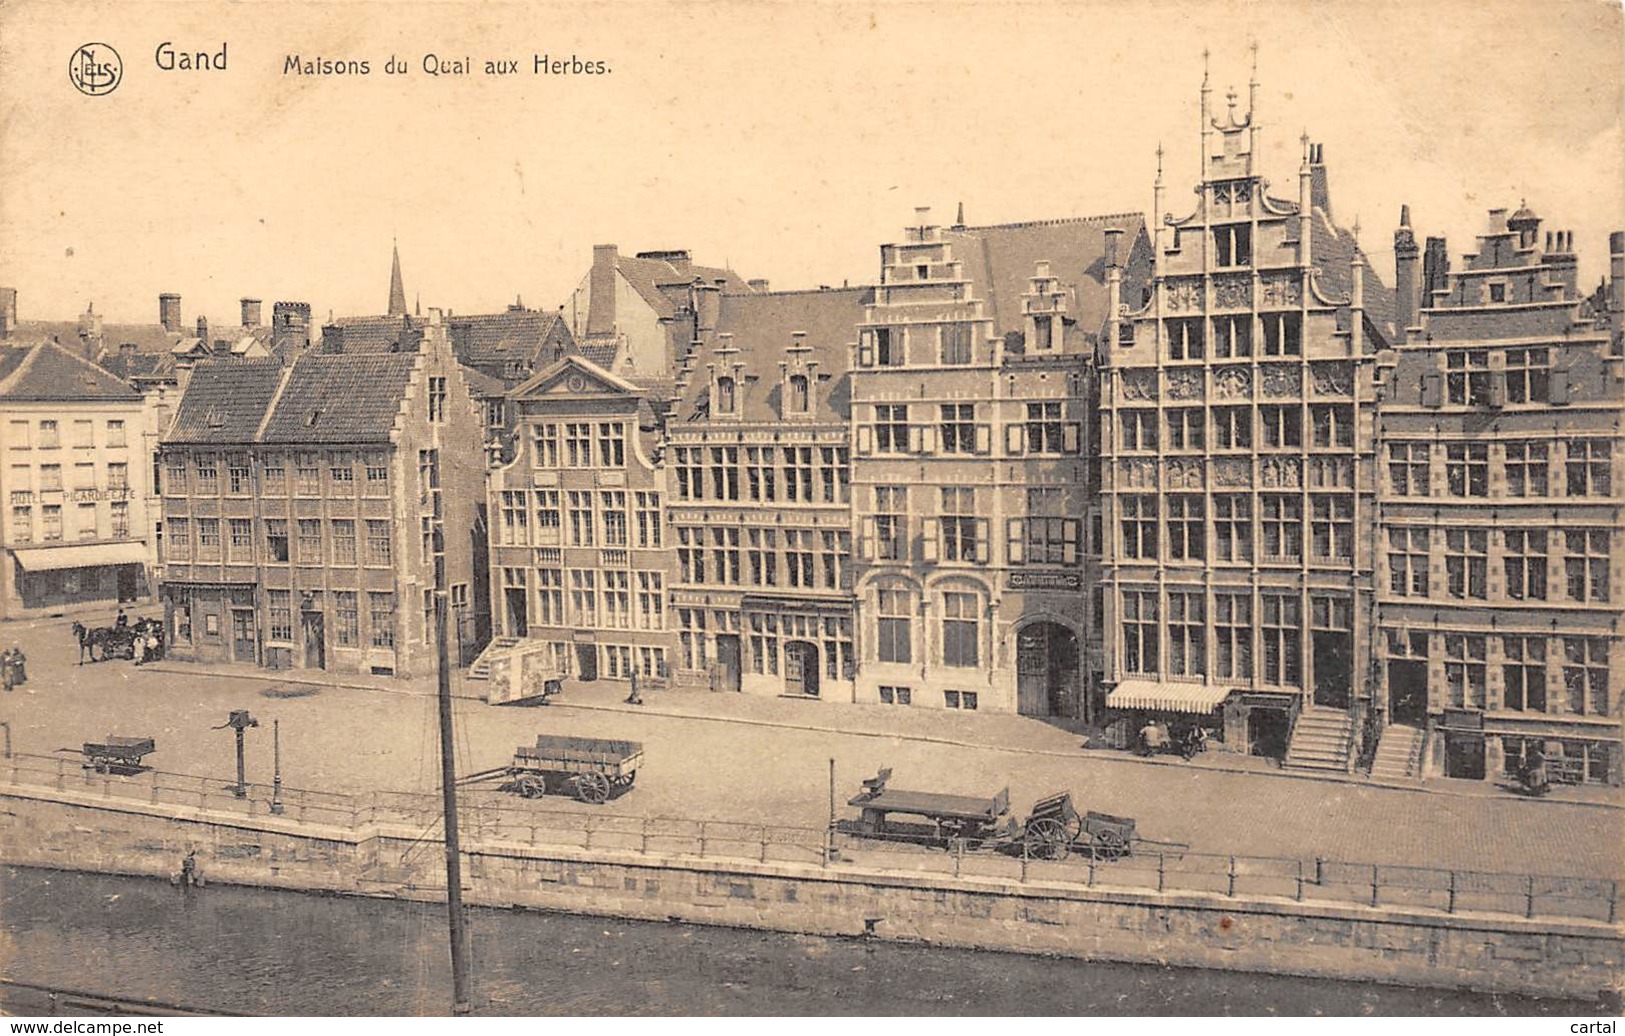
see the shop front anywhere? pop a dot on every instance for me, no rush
(1260, 722)
(1462, 745)
(55, 578)
(1176, 707)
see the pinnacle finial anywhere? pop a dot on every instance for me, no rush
(1205, 54)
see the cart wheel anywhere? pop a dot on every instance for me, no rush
(593, 788)
(1110, 845)
(530, 786)
(1047, 839)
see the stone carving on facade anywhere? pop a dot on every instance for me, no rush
(1233, 383)
(1280, 382)
(1140, 473)
(1233, 292)
(1184, 473)
(1185, 295)
(1332, 379)
(1280, 473)
(1280, 290)
(1331, 472)
(1140, 384)
(1184, 384)
(1232, 471)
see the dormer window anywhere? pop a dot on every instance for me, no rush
(725, 395)
(798, 393)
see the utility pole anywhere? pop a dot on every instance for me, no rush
(276, 767)
(448, 793)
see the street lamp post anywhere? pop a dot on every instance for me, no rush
(240, 721)
(276, 767)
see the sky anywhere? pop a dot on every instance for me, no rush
(785, 139)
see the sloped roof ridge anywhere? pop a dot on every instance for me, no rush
(795, 291)
(1058, 221)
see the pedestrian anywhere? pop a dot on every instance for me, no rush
(8, 670)
(123, 620)
(20, 660)
(634, 698)
(138, 647)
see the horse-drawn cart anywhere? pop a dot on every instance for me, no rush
(1056, 829)
(592, 769)
(120, 755)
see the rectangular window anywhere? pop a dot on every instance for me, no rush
(115, 433)
(1466, 562)
(1282, 526)
(1408, 468)
(725, 554)
(515, 514)
(1232, 428)
(959, 699)
(379, 551)
(836, 547)
(612, 444)
(1333, 425)
(1187, 538)
(548, 515)
(274, 475)
(1332, 525)
(959, 523)
(1467, 468)
(761, 485)
(544, 445)
(84, 434)
(279, 605)
(1139, 429)
(1585, 566)
(764, 644)
(957, 433)
(1587, 466)
(1283, 426)
(1282, 634)
(1523, 673)
(175, 475)
(1232, 636)
(1045, 431)
(1529, 373)
(1524, 561)
(208, 474)
(344, 541)
(307, 474)
(1185, 339)
(691, 554)
(276, 539)
(341, 472)
(1140, 631)
(891, 428)
(22, 525)
(888, 344)
(1467, 379)
(1185, 427)
(1233, 337)
(581, 518)
(84, 476)
(651, 601)
(377, 465)
(584, 596)
(1232, 527)
(895, 613)
(1465, 670)
(799, 557)
(1139, 525)
(118, 476)
(647, 508)
(798, 473)
(550, 597)
(578, 445)
(1585, 675)
(241, 546)
(1232, 245)
(956, 342)
(51, 522)
(437, 399)
(1408, 560)
(891, 523)
(381, 607)
(1187, 633)
(890, 695)
(208, 538)
(612, 504)
(960, 629)
(310, 541)
(1283, 333)
(1045, 536)
(347, 628)
(49, 437)
(1527, 469)
(239, 480)
(617, 598)
(88, 521)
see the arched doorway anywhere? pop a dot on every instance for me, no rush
(1046, 670)
(801, 668)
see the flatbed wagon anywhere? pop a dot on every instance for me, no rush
(120, 755)
(933, 818)
(592, 769)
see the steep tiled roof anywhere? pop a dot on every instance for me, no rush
(482, 385)
(495, 338)
(50, 373)
(599, 354)
(762, 325)
(340, 399)
(147, 338)
(372, 334)
(1000, 260)
(225, 401)
(138, 366)
(646, 275)
(1331, 248)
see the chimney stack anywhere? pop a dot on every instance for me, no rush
(1405, 273)
(169, 312)
(757, 284)
(1616, 279)
(251, 312)
(1435, 269)
(1319, 189)
(8, 312)
(601, 287)
(1114, 237)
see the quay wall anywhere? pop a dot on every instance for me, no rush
(74, 831)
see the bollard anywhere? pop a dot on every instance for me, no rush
(764, 844)
(1450, 906)
(959, 854)
(1300, 880)
(1374, 884)
(1091, 870)
(586, 827)
(1024, 861)
(1613, 900)
(644, 845)
(1529, 898)
(1232, 891)
(107, 786)
(60, 776)
(154, 787)
(1320, 870)
(533, 835)
(702, 838)
(1161, 874)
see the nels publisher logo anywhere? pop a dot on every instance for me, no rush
(95, 69)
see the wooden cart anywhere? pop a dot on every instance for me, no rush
(1055, 829)
(937, 819)
(121, 755)
(592, 769)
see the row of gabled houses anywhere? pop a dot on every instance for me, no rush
(1207, 466)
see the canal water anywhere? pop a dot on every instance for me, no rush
(263, 952)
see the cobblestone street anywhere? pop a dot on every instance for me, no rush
(772, 769)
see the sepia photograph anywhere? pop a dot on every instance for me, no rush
(812, 508)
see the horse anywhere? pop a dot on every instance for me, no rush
(98, 642)
(82, 635)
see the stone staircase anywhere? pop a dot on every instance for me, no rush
(480, 668)
(1399, 754)
(1321, 741)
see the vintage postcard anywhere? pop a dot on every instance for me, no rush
(802, 509)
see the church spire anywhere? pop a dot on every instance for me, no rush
(397, 290)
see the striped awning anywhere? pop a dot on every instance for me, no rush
(87, 555)
(1167, 697)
